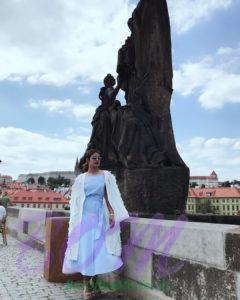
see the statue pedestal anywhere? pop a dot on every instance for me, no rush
(155, 190)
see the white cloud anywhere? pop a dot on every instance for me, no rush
(214, 80)
(204, 155)
(85, 90)
(23, 151)
(61, 42)
(83, 112)
(185, 14)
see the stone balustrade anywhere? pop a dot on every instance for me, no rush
(163, 259)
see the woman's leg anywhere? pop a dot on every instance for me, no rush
(95, 285)
(88, 291)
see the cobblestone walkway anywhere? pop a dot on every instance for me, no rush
(21, 269)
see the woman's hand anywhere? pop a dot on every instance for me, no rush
(111, 220)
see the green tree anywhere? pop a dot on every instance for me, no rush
(226, 184)
(31, 180)
(51, 182)
(57, 182)
(193, 184)
(235, 182)
(41, 180)
(5, 200)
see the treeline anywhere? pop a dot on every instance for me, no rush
(222, 184)
(52, 182)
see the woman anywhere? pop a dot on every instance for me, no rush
(96, 209)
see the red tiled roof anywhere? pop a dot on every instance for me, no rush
(23, 196)
(213, 173)
(14, 186)
(215, 192)
(201, 177)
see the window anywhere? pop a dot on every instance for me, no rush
(44, 205)
(28, 205)
(223, 207)
(56, 205)
(15, 198)
(57, 199)
(233, 207)
(47, 198)
(63, 206)
(232, 200)
(34, 205)
(22, 205)
(39, 205)
(237, 207)
(228, 207)
(24, 198)
(217, 200)
(189, 207)
(49, 205)
(40, 198)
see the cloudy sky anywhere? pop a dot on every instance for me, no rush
(55, 53)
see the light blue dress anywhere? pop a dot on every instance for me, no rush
(93, 257)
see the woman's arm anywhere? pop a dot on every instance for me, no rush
(111, 211)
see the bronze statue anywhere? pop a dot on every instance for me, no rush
(136, 140)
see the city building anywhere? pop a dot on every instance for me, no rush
(64, 191)
(220, 201)
(4, 179)
(37, 199)
(207, 181)
(54, 174)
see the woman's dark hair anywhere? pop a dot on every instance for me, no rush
(88, 154)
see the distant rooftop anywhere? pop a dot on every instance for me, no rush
(213, 175)
(221, 192)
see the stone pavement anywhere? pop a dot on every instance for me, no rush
(21, 269)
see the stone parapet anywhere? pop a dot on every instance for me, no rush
(183, 260)
(29, 224)
(162, 258)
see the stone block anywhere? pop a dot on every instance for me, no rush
(232, 249)
(55, 247)
(189, 281)
(154, 190)
(181, 239)
(137, 264)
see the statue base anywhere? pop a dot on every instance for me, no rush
(154, 190)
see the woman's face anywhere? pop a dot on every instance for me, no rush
(95, 160)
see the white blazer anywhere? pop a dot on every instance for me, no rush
(113, 241)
